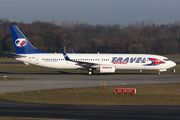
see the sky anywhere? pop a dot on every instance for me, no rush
(93, 12)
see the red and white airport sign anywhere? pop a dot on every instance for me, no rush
(126, 90)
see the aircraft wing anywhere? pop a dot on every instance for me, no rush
(81, 63)
(87, 64)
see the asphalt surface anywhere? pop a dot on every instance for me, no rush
(13, 109)
(53, 81)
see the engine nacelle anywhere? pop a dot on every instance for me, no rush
(107, 69)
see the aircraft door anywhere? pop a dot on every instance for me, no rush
(32, 59)
(37, 60)
(146, 61)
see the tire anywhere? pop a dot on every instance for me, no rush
(90, 73)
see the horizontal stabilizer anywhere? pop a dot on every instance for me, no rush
(18, 55)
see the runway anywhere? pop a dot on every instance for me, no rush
(54, 81)
(13, 109)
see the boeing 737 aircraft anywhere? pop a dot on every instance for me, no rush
(105, 63)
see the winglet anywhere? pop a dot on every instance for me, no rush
(65, 56)
(71, 51)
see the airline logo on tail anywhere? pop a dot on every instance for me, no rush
(21, 42)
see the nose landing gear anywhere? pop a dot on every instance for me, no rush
(90, 72)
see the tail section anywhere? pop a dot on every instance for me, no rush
(21, 43)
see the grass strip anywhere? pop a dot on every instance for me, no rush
(155, 94)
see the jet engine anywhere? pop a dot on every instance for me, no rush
(107, 69)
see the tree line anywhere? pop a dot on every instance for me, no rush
(141, 37)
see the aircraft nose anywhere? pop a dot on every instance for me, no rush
(173, 64)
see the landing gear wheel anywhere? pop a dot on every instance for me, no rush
(90, 72)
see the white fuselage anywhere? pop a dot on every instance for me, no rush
(120, 61)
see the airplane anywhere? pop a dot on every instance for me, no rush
(104, 63)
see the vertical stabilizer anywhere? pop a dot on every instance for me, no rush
(21, 43)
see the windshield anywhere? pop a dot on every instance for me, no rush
(167, 59)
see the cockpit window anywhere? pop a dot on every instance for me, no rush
(166, 59)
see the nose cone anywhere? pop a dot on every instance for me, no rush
(172, 64)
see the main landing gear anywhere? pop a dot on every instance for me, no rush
(90, 72)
